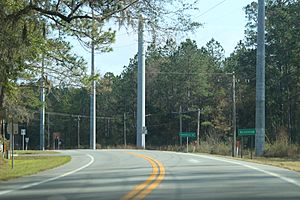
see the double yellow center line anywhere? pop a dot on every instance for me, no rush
(144, 189)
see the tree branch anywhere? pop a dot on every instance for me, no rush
(75, 9)
(57, 5)
(116, 11)
(63, 17)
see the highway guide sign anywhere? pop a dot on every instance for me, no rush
(187, 134)
(246, 132)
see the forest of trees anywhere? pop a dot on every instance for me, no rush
(177, 75)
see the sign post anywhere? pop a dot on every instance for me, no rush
(187, 144)
(247, 132)
(187, 135)
(23, 133)
(144, 133)
(27, 140)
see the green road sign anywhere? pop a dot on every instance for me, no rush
(246, 132)
(187, 134)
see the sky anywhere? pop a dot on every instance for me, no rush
(223, 20)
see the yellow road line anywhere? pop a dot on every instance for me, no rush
(144, 189)
(141, 186)
(155, 184)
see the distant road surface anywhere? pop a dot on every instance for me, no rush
(135, 174)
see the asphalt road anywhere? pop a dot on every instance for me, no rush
(129, 174)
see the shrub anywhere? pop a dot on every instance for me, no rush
(282, 149)
(220, 148)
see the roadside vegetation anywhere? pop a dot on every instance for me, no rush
(187, 76)
(181, 77)
(279, 153)
(28, 165)
(291, 162)
(35, 152)
(287, 163)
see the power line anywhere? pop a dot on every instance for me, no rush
(247, 80)
(184, 73)
(211, 8)
(124, 46)
(74, 115)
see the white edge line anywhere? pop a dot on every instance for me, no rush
(289, 180)
(193, 160)
(51, 179)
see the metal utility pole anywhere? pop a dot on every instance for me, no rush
(187, 144)
(23, 133)
(42, 114)
(234, 115)
(198, 127)
(180, 123)
(140, 137)
(78, 132)
(42, 99)
(93, 94)
(48, 130)
(12, 140)
(260, 82)
(125, 142)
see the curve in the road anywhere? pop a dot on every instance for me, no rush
(288, 180)
(53, 178)
(142, 190)
(113, 174)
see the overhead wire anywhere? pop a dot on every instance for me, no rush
(211, 8)
(74, 115)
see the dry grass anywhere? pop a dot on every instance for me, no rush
(287, 163)
(20, 152)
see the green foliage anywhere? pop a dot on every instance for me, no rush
(282, 69)
(27, 165)
(33, 33)
(23, 49)
(176, 74)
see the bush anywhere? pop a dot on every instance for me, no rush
(220, 148)
(129, 146)
(282, 149)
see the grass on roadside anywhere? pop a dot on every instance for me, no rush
(28, 165)
(287, 163)
(20, 152)
(291, 162)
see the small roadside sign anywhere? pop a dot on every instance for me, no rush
(11, 127)
(16, 129)
(23, 132)
(246, 132)
(187, 134)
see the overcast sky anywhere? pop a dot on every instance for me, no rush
(224, 20)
